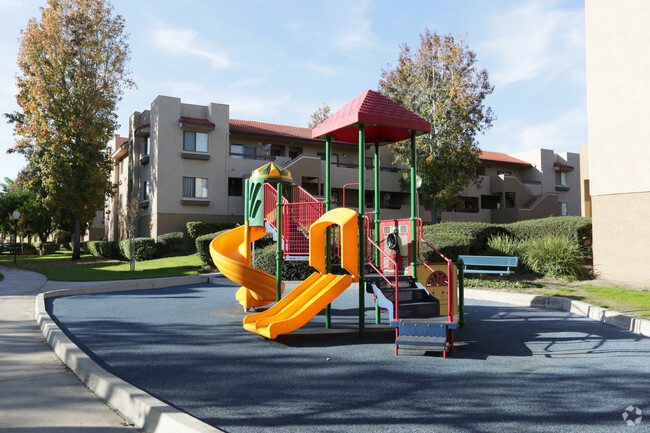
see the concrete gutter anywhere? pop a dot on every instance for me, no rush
(620, 320)
(142, 409)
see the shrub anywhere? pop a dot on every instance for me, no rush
(143, 249)
(291, 270)
(478, 233)
(504, 245)
(553, 256)
(198, 228)
(449, 244)
(106, 249)
(83, 247)
(169, 242)
(576, 228)
(49, 247)
(203, 248)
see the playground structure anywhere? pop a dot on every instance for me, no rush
(421, 299)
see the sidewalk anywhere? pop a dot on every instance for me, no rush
(37, 392)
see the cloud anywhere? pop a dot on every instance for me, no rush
(565, 132)
(535, 40)
(320, 68)
(185, 42)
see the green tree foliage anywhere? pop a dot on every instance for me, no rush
(319, 116)
(72, 74)
(441, 83)
(35, 219)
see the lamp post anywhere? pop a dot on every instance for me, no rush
(16, 216)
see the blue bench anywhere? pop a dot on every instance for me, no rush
(502, 265)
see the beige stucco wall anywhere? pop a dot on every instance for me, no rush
(618, 91)
(621, 235)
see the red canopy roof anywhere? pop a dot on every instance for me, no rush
(385, 121)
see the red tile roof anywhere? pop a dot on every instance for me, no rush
(385, 120)
(191, 122)
(563, 167)
(270, 130)
(502, 158)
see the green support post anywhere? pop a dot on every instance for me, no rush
(328, 235)
(362, 250)
(461, 293)
(414, 227)
(376, 214)
(278, 250)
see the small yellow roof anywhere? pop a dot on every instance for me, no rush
(272, 172)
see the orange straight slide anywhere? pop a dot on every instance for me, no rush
(228, 253)
(299, 306)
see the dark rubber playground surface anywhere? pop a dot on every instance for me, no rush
(514, 369)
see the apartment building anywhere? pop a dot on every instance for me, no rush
(527, 185)
(185, 162)
(615, 181)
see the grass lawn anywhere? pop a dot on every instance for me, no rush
(60, 267)
(635, 302)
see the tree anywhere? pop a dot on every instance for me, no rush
(72, 74)
(35, 219)
(440, 82)
(319, 116)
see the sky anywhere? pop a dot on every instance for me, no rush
(278, 61)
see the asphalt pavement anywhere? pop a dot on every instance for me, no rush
(514, 368)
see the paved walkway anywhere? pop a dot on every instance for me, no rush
(37, 392)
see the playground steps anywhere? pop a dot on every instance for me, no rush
(420, 327)
(414, 301)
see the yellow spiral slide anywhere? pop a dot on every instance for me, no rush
(231, 254)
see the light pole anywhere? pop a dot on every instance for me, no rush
(16, 216)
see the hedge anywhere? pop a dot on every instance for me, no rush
(169, 242)
(106, 249)
(46, 247)
(198, 228)
(449, 244)
(144, 249)
(83, 247)
(574, 227)
(457, 233)
(203, 248)
(291, 270)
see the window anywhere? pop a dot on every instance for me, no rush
(490, 202)
(294, 152)
(235, 187)
(145, 147)
(146, 190)
(277, 150)
(240, 151)
(195, 187)
(507, 173)
(564, 209)
(560, 178)
(195, 141)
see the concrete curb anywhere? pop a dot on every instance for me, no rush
(620, 320)
(143, 410)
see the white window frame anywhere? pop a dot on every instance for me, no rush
(200, 144)
(194, 187)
